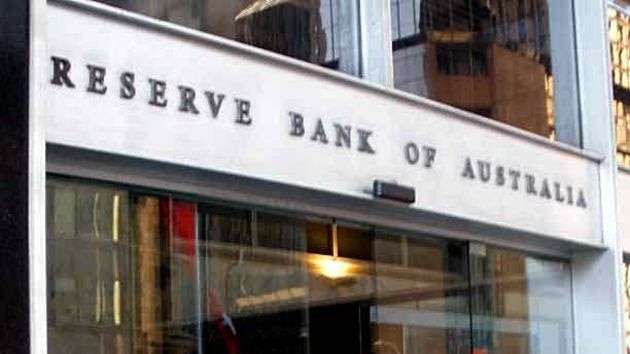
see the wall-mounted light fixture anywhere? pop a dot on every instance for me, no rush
(393, 191)
(333, 268)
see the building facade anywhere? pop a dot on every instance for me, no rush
(316, 176)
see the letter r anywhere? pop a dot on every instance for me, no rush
(61, 71)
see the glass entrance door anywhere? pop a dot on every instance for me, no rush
(132, 272)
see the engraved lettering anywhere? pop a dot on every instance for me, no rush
(558, 189)
(61, 72)
(320, 133)
(484, 170)
(429, 156)
(158, 93)
(514, 177)
(297, 124)
(127, 88)
(412, 154)
(343, 135)
(96, 82)
(364, 143)
(187, 100)
(581, 200)
(215, 102)
(544, 189)
(243, 111)
(530, 184)
(500, 178)
(468, 169)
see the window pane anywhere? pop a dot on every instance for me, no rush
(626, 303)
(88, 243)
(164, 275)
(520, 304)
(422, 297)
(254, 288)
(322, 32)
(492, 58)
(619, 26)
(135, 273)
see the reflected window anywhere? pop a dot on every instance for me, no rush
(619, 34)
(487, 57)
(89, 278)
(626, 302)
(136, 273)
(422, 296)
(321, 32)
(519, 304)
(164, 275)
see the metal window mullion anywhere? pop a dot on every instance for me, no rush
(471, 24)
(332, 29)
(451, 27)
(398, 26)
(562, 41)
(537, 45)
(375, 28)
(254, 227)
(415, 18)
(199, 285)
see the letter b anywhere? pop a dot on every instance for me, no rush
(297, 124)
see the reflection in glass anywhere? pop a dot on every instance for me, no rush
(422, 297)
(88, 278)
(520, 304)
(135, 273)
(619, 34)
(165, 275)
(254, 283)
(322, 32)
(492, 58)
(626, 303)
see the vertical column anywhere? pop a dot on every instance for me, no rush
(349, 35)
(22, 178)
(597, 284)
(376, 42)
(38, 68)
(14, 175)
(563, 67)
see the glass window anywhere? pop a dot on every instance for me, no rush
(626, 302)
(88, 241)
(164, 276)
(323, 32)
(619, 23)
(520, 304)
(136, 273)
(422, 296)
(492, 58)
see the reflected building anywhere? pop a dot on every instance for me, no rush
(487, 57)
(307, 30)
(136, 273)
(619, 35)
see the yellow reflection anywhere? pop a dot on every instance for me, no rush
(273, 297)
(332, 268)
(117, 309)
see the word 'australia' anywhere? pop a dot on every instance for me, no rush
(517, 180)
(187, 101)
